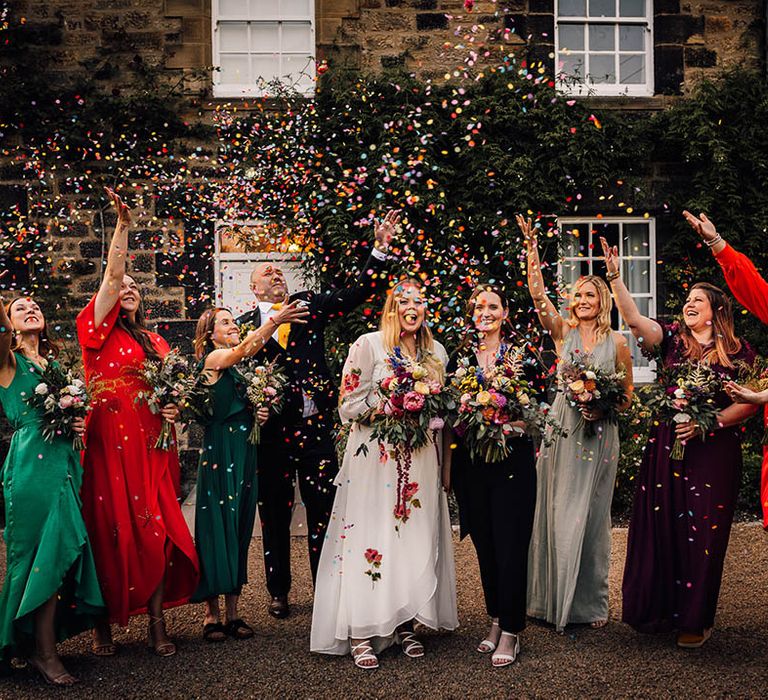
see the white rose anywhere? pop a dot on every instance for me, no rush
(41, 389)
(50, 402)
(681, 418)
(589, 374)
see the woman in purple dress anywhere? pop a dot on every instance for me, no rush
(683, 509)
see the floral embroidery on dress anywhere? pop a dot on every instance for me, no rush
(350, 381)
(402, 510)
(373, 557)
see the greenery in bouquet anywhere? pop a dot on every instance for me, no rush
(755, 377)
(265, 387)
(588, 387)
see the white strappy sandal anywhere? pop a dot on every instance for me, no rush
(488, 645)
(501, 659)
(366, 654)
(412, 647)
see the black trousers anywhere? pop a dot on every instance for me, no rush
(305, 450)
(499, 500)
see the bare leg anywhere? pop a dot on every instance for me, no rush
(213, 617)
(102, 639)
(158, 637)
(230, 603)
(46, 658)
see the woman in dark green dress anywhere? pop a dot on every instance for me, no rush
(51, 591)
(226, 479)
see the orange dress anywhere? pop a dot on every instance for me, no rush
(751, 291)
(129, 494)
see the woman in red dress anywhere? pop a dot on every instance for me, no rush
(145, 557)
(751, 291)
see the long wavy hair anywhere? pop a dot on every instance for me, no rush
(391, 330)
(137, 329)
(606, 304)
(726, 344)
(470, 333)
(203, 342)
(49, 348)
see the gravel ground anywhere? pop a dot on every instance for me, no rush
(614, 662)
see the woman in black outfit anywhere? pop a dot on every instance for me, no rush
(496, 500)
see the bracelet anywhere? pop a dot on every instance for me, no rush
(711, 244)
(275, 323)
(613, 276)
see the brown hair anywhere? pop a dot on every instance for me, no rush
(48, 346)
(138, 330)
(469, 313)
(203, 342)
(606, 304)
(726, 344)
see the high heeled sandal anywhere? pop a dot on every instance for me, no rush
(366, 654)
(411, 646)
(62, 680)
(487, 645)
(503, 659)
(163, 648)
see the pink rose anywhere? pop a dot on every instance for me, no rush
(391, 410)
(386, 382)
(498, 399)
(436, 423)
(66, 401)
(413, 402)
(270, 391)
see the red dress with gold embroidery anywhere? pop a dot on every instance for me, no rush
(751, 291)
(129, 494)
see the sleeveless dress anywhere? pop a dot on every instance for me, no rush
(130, 502)
(681, 517)
(377, 572)
(227, 491)
(571, 543)
(48, 551)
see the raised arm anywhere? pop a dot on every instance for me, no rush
(6, 338)
(647, 332)
(545, 309)
(109, 291)
(223, 358)
(624, 362)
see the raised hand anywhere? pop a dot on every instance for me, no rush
(122, 210)
(528, 229)
(385, 229)
(295, 312)
(611, 255)
(740, 394)
(702, 225)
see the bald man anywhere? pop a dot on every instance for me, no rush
(300, 440)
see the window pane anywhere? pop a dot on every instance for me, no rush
(265, 37)
(602, 8)
(632, 8)
(572, 8)
(263, 8)
(602, 37)
(572, 65)
(601, 69)
(572, 243)
(608, 231)
(297, 38)
(233, 36)
(294, 8)
(632, 69)
(265, 67)
(238, 8)
(631, 38)
(295, 65)
(234, 69)
(636, 240)
(571, 37)
(637, 275)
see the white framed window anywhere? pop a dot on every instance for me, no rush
(260, 42)
(604, 47)
(583, 255)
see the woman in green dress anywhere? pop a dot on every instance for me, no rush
(227, 491)
(51, 591)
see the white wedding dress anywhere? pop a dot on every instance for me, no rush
(416, 578)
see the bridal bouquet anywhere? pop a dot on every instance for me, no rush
(265, 386)
(62, 398)
(589, 387)
(489, 402)
(685, 393)
(171, 381)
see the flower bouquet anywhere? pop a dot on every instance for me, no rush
(489, 402)
(265, 386)
(411, 409)
(62, 398)
(685, 393)
(590, 388)
(171, 381)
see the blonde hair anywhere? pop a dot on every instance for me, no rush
(606, 304)
(391, 330)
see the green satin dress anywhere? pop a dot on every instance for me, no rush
(48, 551)
(227, 491)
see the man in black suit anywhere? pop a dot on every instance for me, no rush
(300, 439)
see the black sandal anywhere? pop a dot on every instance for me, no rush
(214, 628)
(233, 629)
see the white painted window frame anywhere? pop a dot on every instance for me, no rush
(584, 89)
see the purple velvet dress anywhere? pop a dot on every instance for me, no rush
(681, 519)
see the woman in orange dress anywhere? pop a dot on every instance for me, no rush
(145, 557)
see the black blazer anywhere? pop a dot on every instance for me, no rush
(304, 358)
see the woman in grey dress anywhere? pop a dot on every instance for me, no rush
(571, 544)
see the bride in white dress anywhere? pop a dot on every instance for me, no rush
(380, 570)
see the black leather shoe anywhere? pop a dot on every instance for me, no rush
(279, 607)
